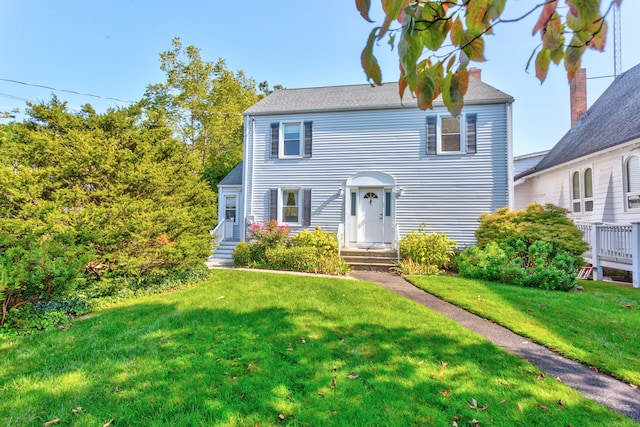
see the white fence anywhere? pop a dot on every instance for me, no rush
(614, 246)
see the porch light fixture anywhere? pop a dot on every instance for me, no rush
(340, 191)
(400, 191)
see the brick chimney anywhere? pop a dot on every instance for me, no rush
(476, 73)
(578, 94)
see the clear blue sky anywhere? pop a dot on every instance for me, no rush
(110, 48)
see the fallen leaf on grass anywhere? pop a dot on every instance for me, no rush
(561, 402)
(445, 393)
(108, 423)
(444, 364)
(474, 405)
(541, 376)
(334, 383)
(519, 406)
(541, 406)
(302, 340)
(281, 416)
(320, 394)
(503, 401)
(52, 422)
(77, 410)
(117, 388)
(352, 376)
(420, 362)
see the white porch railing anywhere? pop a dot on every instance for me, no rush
(219, 231)
(340, 236)
(396, 239)
(614, 246)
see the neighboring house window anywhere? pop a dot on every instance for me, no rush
(575, 193)
(451, 135)
(230, 208)
(291, 206)
(632, 182)
(291, 140)
(588, 190)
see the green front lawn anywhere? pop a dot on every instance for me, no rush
(598, 326)
(251, 348)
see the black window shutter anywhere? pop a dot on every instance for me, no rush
(471, 120)
(275, 139)
(306, 211)
(308, 127)
(431, 134)
(273, 204)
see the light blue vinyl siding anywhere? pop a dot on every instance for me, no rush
(447, 193)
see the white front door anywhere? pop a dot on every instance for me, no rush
(370, 216)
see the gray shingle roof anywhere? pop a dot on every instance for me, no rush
(361, 97)
(234, 177)
(612, 120)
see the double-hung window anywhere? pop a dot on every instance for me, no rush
(291, 140)
(451, 135)
(582, 191)
(290, 206)
(450, 140)
(632, 182)
(575, 192)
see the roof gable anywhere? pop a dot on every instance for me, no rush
(234, 177)
(612, 120)
(361, 97)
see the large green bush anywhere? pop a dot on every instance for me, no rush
(431, 251)
(548, 224)
(96, 202)
(538, 247)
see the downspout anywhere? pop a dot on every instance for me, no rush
(253, 157)
(245, 174)
(510, 182)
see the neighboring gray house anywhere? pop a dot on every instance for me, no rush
(359, 161)
(594, 172)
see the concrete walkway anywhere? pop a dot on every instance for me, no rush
(602, 388)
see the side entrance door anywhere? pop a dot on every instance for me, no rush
(370, 215)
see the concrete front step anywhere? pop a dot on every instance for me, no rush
(370, 259)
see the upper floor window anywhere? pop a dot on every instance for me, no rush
(451, 135)
(292, 140)
(632, 182)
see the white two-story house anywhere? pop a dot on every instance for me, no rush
(360, 161)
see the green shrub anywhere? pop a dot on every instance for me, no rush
(324, 241)
(242, 255)
(300, 258)
(520, 229)
(541, 268)
(431, 250)
(267, 236)
(408, 267)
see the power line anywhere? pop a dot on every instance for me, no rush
(64, 90)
